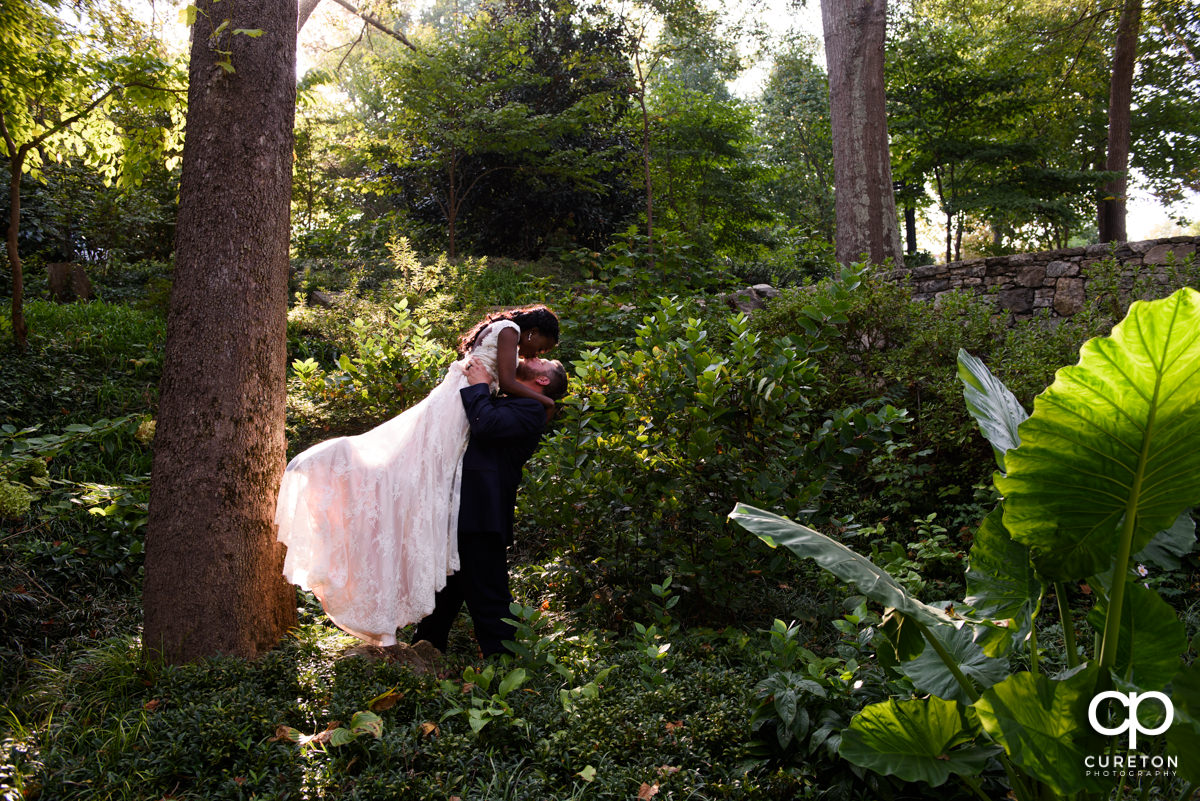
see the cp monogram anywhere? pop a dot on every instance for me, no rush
(1130, 701)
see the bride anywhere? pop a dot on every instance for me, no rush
(370, 521)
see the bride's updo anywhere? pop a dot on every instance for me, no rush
(526, 318)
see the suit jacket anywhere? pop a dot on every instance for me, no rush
(505, 432)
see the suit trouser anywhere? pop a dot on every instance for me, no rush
(482, 582)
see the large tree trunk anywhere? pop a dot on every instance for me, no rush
(214, 582)
(864, 203)
(1120, 102)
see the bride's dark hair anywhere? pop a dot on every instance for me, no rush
(526, 317)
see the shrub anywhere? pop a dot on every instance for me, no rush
(657, 438)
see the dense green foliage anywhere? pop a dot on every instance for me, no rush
(624, 559)
(661, 651)
(1088, 494)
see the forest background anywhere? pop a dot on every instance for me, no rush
(451, 159)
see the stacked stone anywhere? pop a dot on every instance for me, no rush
(1027, 283)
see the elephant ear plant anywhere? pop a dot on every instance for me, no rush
(1103, 474)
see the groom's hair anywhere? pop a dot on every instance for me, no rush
(558, 379)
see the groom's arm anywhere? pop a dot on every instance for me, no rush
(501, 418)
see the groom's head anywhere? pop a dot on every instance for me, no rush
(547, 376)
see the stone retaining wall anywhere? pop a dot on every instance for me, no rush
(1026, 283)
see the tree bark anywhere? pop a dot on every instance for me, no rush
(11, 244)
(1120, 102)
(864, 203)
(214, 582)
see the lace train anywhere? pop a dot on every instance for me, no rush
(370, 521)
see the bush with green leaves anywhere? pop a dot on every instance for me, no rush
(1101, 476)
(659, 437)
(806, 701)
(871, 339)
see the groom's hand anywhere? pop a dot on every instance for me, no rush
(476, 373)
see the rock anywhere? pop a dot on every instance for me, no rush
(751, 299)
(420, 657)
(319, 297)
(1068, 296)
(1057, 269)
(68, 282)
(1161, 254)
(1017, 301)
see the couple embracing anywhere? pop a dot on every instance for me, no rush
(404, 523)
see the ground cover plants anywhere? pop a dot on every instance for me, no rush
(661, 652)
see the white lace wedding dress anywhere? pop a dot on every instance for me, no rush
(370, 522)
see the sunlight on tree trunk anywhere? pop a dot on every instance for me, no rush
(214, 580)
(864, 201)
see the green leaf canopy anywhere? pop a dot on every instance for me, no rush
(1116, 437)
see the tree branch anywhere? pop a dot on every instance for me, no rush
(304, 11)
(373, 20)
(69, 121)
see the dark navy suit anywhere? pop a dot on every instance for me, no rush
(505, 432)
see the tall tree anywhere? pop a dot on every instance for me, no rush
(706, 177)
(956, 115)
(1166, 129)
(1120, 111)
(864, 203)
(512, 122)
(214, 580)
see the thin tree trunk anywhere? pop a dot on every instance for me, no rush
(11, 244)
(214, 580)
(1120, 102)
(865, 204)
(910, 228)
(958, 232)
(646, 177)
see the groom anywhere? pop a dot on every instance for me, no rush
(505, 432)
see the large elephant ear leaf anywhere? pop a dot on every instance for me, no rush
(993, 406)
(1001, 582)
(1183, 738)
(918, 740)
(1042, 725)
(1152, 638)
(930, 675)
(870, 580)
(1116, 437)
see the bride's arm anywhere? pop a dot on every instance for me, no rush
(506, 369)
